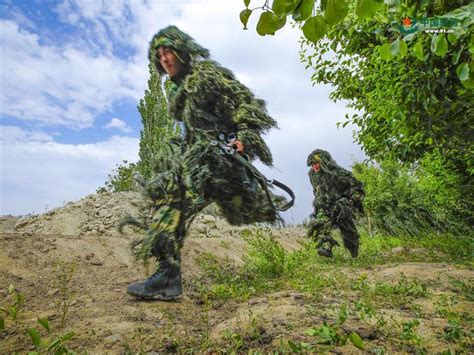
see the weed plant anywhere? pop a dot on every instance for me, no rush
(64, 274)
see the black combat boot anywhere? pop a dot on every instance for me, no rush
(324, 251)
(325, 245)
(165, 284)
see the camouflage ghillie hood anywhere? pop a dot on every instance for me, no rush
(327, 163)
(183, 45)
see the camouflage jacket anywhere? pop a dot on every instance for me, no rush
(332, 184)
(209, 100)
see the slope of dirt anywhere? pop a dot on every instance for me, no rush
(105, 319)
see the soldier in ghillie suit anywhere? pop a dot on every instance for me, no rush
(337, 197)
(221, 126)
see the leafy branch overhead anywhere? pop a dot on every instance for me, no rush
(318, 18)
(328, 13)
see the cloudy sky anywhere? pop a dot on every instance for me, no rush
(73, 71)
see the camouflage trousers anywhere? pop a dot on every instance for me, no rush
(203, 175)
(340, 216)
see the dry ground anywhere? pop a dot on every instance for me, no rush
(106, 320)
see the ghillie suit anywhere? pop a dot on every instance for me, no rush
(212, 109)
(337, 197)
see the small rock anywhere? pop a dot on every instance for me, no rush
(255, 301)
(89, 256)
(365, 331)
(297, 296)
(53, 292)
(113, 339)
(207, 219)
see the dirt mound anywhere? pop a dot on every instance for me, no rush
(94, 214)
(99, 214)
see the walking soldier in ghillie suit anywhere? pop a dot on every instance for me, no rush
(337, 197)
(221, 126)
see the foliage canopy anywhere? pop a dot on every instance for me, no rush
(412, 89)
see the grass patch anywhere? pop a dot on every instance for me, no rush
(268, 267)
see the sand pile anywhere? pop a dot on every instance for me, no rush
(99, 214)
(94, 214)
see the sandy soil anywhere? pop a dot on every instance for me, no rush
(105, 319)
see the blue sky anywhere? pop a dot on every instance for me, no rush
(73, 71)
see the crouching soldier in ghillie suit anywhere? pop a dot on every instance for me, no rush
(221, 126)
(337, 197)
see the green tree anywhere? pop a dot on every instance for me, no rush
(157, 130)
(412, 91)
(413, 199)
(158, 127)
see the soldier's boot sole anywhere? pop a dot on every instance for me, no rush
(159, 296)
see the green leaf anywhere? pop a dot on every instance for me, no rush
(439, 45)
(385, 52)
(294, 347)
(366, 8)
(463, 71)
(2, 323)
(58, 343)
(335, 11)
(452, 38)
(468, 84)
(45, 324)
(471, 44)
(418, 51)
(13, 312)
(323, 5)
(311, 332)
(395, 47)
(247, 3)
(284, 7)
(315, 28)
(403, 48)
(303, 10)
(267, 23)
(35, 337)
(281, 22)
(342, 314)
(457, 55)
(11, 288)
(356, 341)
(409, 37)
(244, 17)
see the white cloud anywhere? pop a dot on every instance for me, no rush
(36, 174)
(16, 134)
(119, 124)
(57, 85)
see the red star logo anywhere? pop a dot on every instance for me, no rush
(406, 22)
